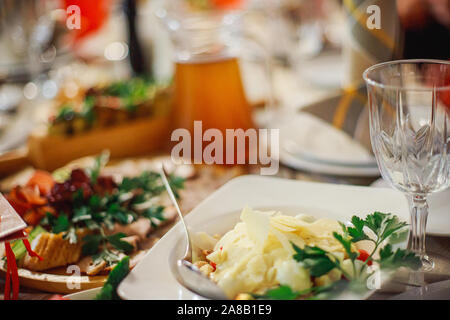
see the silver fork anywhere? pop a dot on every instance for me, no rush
(187, 274)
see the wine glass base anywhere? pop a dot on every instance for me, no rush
(427, 263)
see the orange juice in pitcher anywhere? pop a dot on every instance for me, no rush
(212, 92)
(207, 83)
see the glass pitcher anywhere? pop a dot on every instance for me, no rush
(208, 86)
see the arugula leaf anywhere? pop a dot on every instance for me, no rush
(106, 255)
(91, 243)
(81, 214)
(139, 198)
(56, 224)
(116, 242)
(116, 275)
(155, 212)
(400, 258)
(150, 183)
(61, 223)
(120, 213)
(314, 259)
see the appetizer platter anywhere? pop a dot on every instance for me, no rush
(284, 213)
(129, 118)
(83, 220)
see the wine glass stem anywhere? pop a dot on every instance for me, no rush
(419, 215)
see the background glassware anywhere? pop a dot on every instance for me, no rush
(209, 80)
(27, 29)
(307, 36)
(409, 104)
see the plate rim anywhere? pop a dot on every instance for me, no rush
(33, 277)
(385, 185)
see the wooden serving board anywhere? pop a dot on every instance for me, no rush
(55, 280)
(49, 152)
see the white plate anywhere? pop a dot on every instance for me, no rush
(325, 70)
(152, 278)
(439, 214)
(311, 144)
(299, 163)
(84, 295)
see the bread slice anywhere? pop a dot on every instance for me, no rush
(55, 251)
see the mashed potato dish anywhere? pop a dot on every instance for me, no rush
(257, 254)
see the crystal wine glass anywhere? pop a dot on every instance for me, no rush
(409, 103)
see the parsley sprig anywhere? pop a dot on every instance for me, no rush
(100, 212)
(92, 243)
(384, 227)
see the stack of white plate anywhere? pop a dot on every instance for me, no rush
(311, 144)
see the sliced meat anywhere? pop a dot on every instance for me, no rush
(108, 269)
(141, 228)
(133, 240)
(90, 268)
(169, 214)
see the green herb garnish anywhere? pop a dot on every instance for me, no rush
(319, 262)
(132, 92)
(66, 113)
(100, 212)
(116, 275)
(316, 260)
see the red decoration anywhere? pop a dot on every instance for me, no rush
(94, 14)
(30, 251)
(227, 4)
(12, 274)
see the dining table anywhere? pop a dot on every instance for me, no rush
(206, 179)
